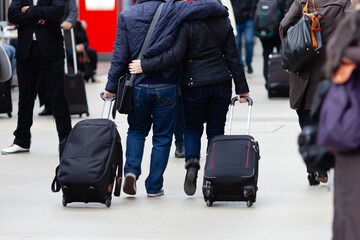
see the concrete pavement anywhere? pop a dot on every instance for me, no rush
(286, 208)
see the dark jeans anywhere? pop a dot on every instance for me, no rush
(268, 45)
(28, 72)
(179, 124)
(154, 105)
(246, 28)
(204, 104)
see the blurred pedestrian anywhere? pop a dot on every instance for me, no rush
(244, 15)
(346, 220)
(39, 51)
(303, 85)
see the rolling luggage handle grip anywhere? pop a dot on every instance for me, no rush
(250, 104)
(107, 105)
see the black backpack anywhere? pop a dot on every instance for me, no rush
(267, 18)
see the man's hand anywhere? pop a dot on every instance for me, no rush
(41, 21)
(109, 94)
(242, 100)
(66, 25)
(24, 9)
(80, 48)
(135, 67)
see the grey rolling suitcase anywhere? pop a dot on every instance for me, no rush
(231, 168)
(278, 79)
(74, 82)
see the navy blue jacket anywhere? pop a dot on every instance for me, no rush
(203, 61)
(134, 23)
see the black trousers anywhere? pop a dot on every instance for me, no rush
(28, 72)
(268, 45)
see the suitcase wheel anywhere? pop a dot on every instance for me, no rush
(249, 203)
(209, 203)
(108, 202)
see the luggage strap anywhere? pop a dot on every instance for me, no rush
(55, 186)
(315, 20)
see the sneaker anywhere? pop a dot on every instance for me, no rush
(313, 179)
(323, 177)
(130, 184)
(192, 167)
(179, 152)
(160, 193)
(14, 149)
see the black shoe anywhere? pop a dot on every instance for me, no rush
(313, 179)
(192, 167)
(249, 69)
(45, 112)
(179, 152)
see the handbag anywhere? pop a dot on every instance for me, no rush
(303, 42)
(126, 83)
(339, 123)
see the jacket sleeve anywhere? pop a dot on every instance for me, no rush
(290, 19)
(53, 13)
(121, 57)
(17, 17)
(233, 61)
(71, 12)
(170, 58)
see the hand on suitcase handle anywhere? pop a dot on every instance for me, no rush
(102, 95)
(250, 101)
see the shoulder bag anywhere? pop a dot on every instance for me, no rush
(303, 42)
(126, 83)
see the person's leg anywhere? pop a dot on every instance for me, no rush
(28, 73)
(53, 74)
(195, 110)
(44, 97)
(163, 110)
(249, 42)
(217, 110)
(10, 51)
(179, 129)
(240, 30)
(268, 47)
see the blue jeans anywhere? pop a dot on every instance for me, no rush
(10, 51)
(204, 104)
(246, 28)
(153, 105)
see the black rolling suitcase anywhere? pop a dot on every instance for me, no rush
(278, 79)
(74, 82)
(91, 161)
(231, 168)
(5, 98)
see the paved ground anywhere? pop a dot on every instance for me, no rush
(286, 207)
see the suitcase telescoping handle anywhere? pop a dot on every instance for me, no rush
(73, 48)
(232, 105)
(107, 105)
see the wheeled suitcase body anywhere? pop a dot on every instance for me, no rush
(91, 161)
(74, 82)
(5, 98)
(278, 79)
(231, 169)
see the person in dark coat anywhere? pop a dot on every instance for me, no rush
(303, 85)
(155, 94)
(346, 220)
(244, 16)
(39, 51)
(206, 78)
